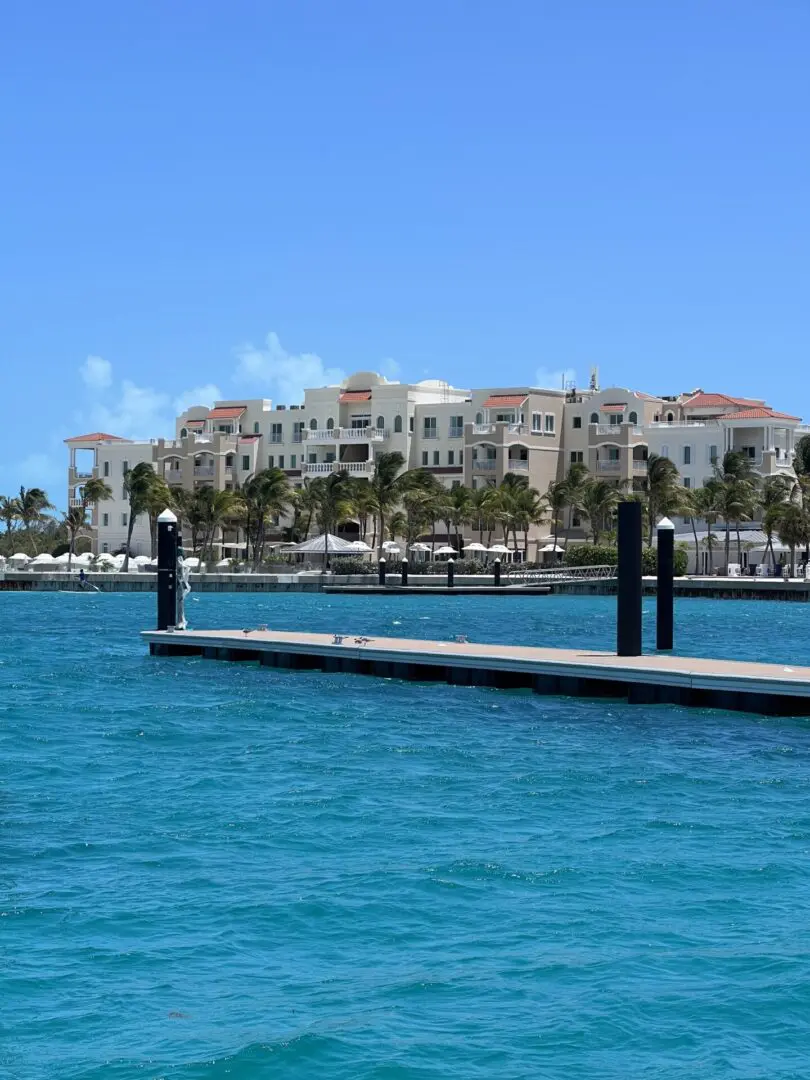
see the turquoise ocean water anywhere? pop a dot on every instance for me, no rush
(219, 872)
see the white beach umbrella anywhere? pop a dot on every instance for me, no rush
(446, 550)
(63, 559)
(318, 545)
(105, 559)
(20, 557)
(551, 547)
(474, 546)
(386, 544)
(43, 560)
(420, 547)
(192, 562)
(224, 564)
(499, 549)
(84, 559)
(360, 546)
(140, 560)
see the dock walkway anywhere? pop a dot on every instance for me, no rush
(656, 678)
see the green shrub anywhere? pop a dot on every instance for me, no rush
(590, 555)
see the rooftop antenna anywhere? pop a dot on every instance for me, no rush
(594, 383)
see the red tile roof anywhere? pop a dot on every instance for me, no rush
(354, 395)
(496, 401)
(713, 401)
(758, 414)
(193, 423)
(613, 406)
(97, 436)
(227, 412)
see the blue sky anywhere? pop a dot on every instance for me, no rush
(240, 199)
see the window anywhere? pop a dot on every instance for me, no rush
(397, 424)
(281, 461)
(124, 520)
(298, 431)
(256, 427)
(479, 418)
(330, 456)
(330, 423)
(293, 461)
(435, 457)
(616, 419)
(275, 433)
(687, 483)
(245, 462)
(687, 455)
(429, 428)
(451, 457)
(576, 457)
(270, 461)
(712, 455)
(424, 457)
(312, 458)
(105, 547)
(576, 422)
(749, 451)
(106, 468)
(549, 423)
(380, 423)
(410, 425)
(313, 424)
(105, 519)
(229, 461)
(670, 417)
(456, 427)
(594, 418)
(183, 432)
(537, 422)
(124, 494)
(125, 467)
(632, 418)
(576, 521)
(613, 453)
(665, 451)
(455, 484)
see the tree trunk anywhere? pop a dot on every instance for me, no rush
(739, 544)
(382, 535)
(728, 546)
(697, 546)
(130, 527)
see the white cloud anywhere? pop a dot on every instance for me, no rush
(389, 368)
(288, 373)
(96, 372)
(139, 412)
(548, 379)
(199, 395)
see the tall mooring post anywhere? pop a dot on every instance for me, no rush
(166, 570)
(628, 621)
(451, 573)
(664, 603)
(496, 570)
(404, 571)
(381, 571)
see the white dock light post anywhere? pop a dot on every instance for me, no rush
(664, 603)
(166, 570)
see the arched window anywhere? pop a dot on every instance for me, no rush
(397, 423)
(479, 418)
(229, 460)
(183, 432)
(632, 418)
(330, 423)
(665, 451)
(313, 424)
(380, 422)
(256, 427)
(594, 418)
(670, 417)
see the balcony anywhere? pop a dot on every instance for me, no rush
(609, 466)
(640, 466)
(203, 472)
(485, 465)
(173, 474)
(518, 465)
(615, 429)
(324, 468)
(456, 433)
(73, 503)
(483, 429)
(347, 434)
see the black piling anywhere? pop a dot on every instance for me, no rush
(496, 569)
(404, 571)
(381, 572)
(166, 570)
(628, 612)
(451, 573)
(664, 604)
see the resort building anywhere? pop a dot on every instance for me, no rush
(470, 437)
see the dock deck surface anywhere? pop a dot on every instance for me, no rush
(730, 684)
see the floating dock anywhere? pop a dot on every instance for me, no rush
(771, 689)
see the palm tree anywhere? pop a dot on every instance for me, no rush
(160, 497)
(308, 502)
(216, 507)
(264, 496)
(736, 494)
(793, 528)
(599, 502)
(528, 507)
(138, 484)
(335, 505)
(705, 501)
(95, 491)
(74, 521)
(663, 491)
(9, 512)
(190, 512)
(557, 500)
(365, 506)
(460, 508)
(575, 484)
(32, 504)
(389, 484)
(774, 494)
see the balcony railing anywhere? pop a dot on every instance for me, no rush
(639, 465)
(485, 464)
(456, 433)
(204, 471)
(519, 464)
(321, 468)
(615, 429)
(347, 434)
(483, 429)
(608, 466)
